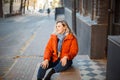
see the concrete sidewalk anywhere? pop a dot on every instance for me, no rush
(31, 55)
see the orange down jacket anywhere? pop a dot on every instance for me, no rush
(69, 47)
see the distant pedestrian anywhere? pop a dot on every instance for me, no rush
(60, 50)
(48, 11)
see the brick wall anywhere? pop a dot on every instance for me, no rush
(102, 11)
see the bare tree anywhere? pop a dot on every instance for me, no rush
(1, 8)
(27, 4)
(24, 6)
(21, 6)
(34, 2)
(11, 6)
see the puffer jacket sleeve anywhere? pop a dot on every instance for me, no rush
(73, 48)
(48, 50)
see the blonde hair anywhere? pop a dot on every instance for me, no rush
(64, 23)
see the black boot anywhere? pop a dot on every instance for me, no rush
(52, 71)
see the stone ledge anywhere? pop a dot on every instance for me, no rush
(71, 74)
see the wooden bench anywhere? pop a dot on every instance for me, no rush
(71, 74)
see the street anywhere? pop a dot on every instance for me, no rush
(22, 36)
(22, 42)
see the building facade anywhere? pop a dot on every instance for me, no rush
(93, 21)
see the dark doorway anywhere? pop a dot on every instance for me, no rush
(114, 17)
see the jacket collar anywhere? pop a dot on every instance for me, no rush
(68, 36)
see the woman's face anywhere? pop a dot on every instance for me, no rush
(60, 28)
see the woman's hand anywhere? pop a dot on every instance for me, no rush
(45, 64)
(64, 61)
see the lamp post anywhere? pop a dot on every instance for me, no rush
(74, 15)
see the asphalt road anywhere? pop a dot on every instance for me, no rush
(16, 33)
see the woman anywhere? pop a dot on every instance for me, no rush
(61, 48)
